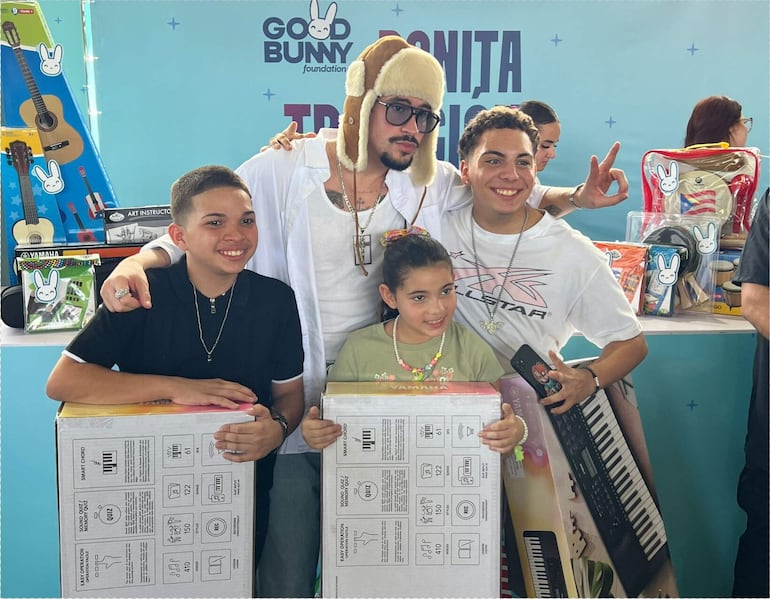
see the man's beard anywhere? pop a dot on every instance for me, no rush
(403, 164)
(389, 162)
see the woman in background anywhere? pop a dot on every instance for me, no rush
(547, 122)
(715, 119)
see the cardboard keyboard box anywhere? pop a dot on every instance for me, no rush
(578, 534)
(410, 496)
(148, 507)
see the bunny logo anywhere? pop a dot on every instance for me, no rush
(668, 181)
(50, 61)
(707, 244)
(52, 183)
(667, 273)
(46, 291)
(318, 41)
(318, 28)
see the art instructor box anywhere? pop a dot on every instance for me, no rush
(148, 507)
(410, 496)
(139, 224)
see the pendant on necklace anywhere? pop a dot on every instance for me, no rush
(364, 243)
(208, 358)
(491, 326)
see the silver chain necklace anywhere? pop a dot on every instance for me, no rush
(361, 241)
(221, 327)
(491, 326)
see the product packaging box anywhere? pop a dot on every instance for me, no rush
(58, 293)
(727, 295)
(628, 262)
(148, 507)
(582, 502)
(410, 496)
(139, 224)
(109, 255)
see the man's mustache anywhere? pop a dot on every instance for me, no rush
(407, 138)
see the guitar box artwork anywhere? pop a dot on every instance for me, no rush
(58, 293)
(583, 502)
(31, 214)
(36, 95)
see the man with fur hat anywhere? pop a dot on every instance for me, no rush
(321, 210)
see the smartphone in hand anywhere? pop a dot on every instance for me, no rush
(534, 370)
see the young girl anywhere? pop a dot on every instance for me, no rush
(422, 343)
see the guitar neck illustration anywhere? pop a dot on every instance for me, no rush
(28, 200)
(83, 233)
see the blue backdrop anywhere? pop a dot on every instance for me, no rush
(177, 84)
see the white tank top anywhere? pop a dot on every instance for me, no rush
(348, 300)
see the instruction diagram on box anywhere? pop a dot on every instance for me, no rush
(408, 485)
(151, 510)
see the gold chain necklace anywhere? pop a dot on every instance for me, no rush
(221, 327)
(361, 241)
(491, 326)
(418, 374)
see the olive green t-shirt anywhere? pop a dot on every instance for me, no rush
(368, 355)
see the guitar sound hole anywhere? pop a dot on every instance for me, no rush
(46, 121)
(35, 239)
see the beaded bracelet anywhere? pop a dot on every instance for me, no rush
(518, 451)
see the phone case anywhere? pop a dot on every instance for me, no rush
(534, 370)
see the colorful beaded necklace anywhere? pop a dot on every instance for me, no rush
(418, 374)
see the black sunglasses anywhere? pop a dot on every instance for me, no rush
(397, 114)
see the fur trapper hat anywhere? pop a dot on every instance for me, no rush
(389, 67)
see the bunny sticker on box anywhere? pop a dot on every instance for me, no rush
(46, 291)
(668, 182)
(707, 244)
(321, 28)
(50, 61)
(667, 273)
(58, 293)
(662, 275)
(52, 183)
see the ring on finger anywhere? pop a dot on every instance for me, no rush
(122, 292)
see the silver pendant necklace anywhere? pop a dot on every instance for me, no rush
(491, 326)
(213, 311)
(362, 243)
